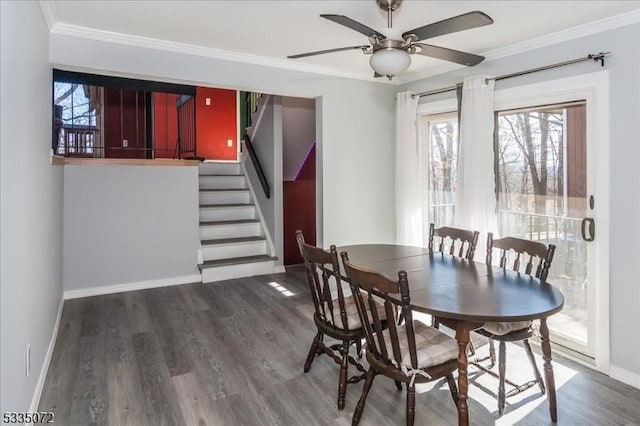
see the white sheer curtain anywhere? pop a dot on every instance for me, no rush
(410, 186)
(475, 206)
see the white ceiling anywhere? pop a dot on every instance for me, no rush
(268, 31)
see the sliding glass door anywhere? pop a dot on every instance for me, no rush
(542, 180)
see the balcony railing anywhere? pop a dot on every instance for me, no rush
(570, 256)
(569, 268)
(78, 141)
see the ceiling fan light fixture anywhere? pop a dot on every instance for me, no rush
(390, 61)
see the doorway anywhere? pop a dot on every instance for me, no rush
(299, 174)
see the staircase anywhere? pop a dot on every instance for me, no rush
(231, 233)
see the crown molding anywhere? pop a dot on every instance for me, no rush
(48, 11)
(190, 49)
(610, 23)
(568, 34)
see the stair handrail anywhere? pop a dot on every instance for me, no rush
(256, 165)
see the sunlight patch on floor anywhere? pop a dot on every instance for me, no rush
(283, 290)
(483, 388)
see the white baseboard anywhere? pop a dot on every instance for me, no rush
(625, 376)
(280, 269)
(140, 285)
(35, 401)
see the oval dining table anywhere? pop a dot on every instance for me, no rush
(464, 295)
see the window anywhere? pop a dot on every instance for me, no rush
(532, 162)
(76, 111)
(113, 117)
(74, 100)
(442, 130)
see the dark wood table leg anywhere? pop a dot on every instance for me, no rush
(548, 370)
(462, 336)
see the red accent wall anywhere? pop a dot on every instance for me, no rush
(124, 118)
(216, 123)
(165, 124)
(299, 209)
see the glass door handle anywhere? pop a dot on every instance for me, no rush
(591, 224)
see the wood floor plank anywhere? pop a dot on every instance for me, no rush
(61, 377)
(158, 395)
(139, 320)
(89, 399)
(195, 402)
(167, 310)
(123, 385)
(214, 360)
(192, 297)
(126, 408)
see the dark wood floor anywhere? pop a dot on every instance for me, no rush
(231, 353)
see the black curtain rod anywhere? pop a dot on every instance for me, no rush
(597, 58)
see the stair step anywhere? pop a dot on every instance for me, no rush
(234, 247)
(217, 168)
(229, 222)
(221, 212)
(222, 206)
(232, 240)
(239, 267)
(222, 182)
(237, 261)
(215, 230)
(227, 196)
(225, 190)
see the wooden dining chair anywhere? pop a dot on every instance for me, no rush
(532, 258)
(452, 237)
(335, 313)
(409, 353)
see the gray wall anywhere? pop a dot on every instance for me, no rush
(126, 224)
(298, 134)
(355, 138)
(624, 74)
(267, 142)
(30, 203)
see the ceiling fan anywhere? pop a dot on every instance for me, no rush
(390, 57)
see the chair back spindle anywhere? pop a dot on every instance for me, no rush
(531, 253)
(450, 237)
(323, 274)
(366, 287)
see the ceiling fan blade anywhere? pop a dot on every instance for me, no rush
(462, 22)
(463, 58)
(322, 52)
(354, 25)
